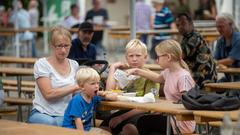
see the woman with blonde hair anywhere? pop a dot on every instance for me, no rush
(55, 80)
(177, 80)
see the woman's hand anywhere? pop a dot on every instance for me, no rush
(115, 121)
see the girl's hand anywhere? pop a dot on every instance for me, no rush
(115, 121)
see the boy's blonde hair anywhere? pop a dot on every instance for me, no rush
(85, 74)
(56, 31)
(136, 44)
(173, 48)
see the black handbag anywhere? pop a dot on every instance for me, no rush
(196, 99)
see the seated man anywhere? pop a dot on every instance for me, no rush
(196, 52)
(228, 45)
(81, 46)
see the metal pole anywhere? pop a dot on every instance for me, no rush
(15, 3)
(133, 19)
(45, 33)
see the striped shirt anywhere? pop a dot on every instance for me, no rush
(163, 20)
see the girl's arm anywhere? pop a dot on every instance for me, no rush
(146, 74)
(79, 125)
(44, 84)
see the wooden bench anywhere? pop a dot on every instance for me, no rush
(7, 110)
(27, 87)
(28, 90)
(14, 82)
(17, 101)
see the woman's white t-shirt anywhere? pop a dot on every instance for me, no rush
(42, 68)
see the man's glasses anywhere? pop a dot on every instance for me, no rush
(66, 46)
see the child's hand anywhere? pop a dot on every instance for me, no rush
(132, 71)
(119, 65)
(108, 95)
(101, 93)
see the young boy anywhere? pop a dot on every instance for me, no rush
(80, 110)
(136, 56)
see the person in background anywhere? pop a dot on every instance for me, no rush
(163, 20)
(33, 12)
(3, 16)
(182, 7)
(177, 80)
(34, 19)
(98, 16)
(80, 110)
(207, 10)
(196, 52)
(74, 20)
(55, 80)
(82, 48)
(22, 18)
(136, 55)
(228, 45)
(3, 24)
(144, 18)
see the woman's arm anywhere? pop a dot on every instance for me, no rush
(79, 125)
(44, 84)
(146, 74)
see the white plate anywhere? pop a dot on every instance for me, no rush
(130, 94)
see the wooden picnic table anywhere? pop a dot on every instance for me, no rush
(125, 34)
(229, 70)
(163, 106)
(222, 86)
(41, 29)
(207, 116)
(17, 60)
(8, 127)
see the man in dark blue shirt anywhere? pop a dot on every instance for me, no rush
(98, 16)
(81, 47)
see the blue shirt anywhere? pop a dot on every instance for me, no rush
(231, 51)
(163, 20)
(77, 51)
(79, 108)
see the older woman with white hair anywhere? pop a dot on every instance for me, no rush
(228, 45)
(55, 80)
